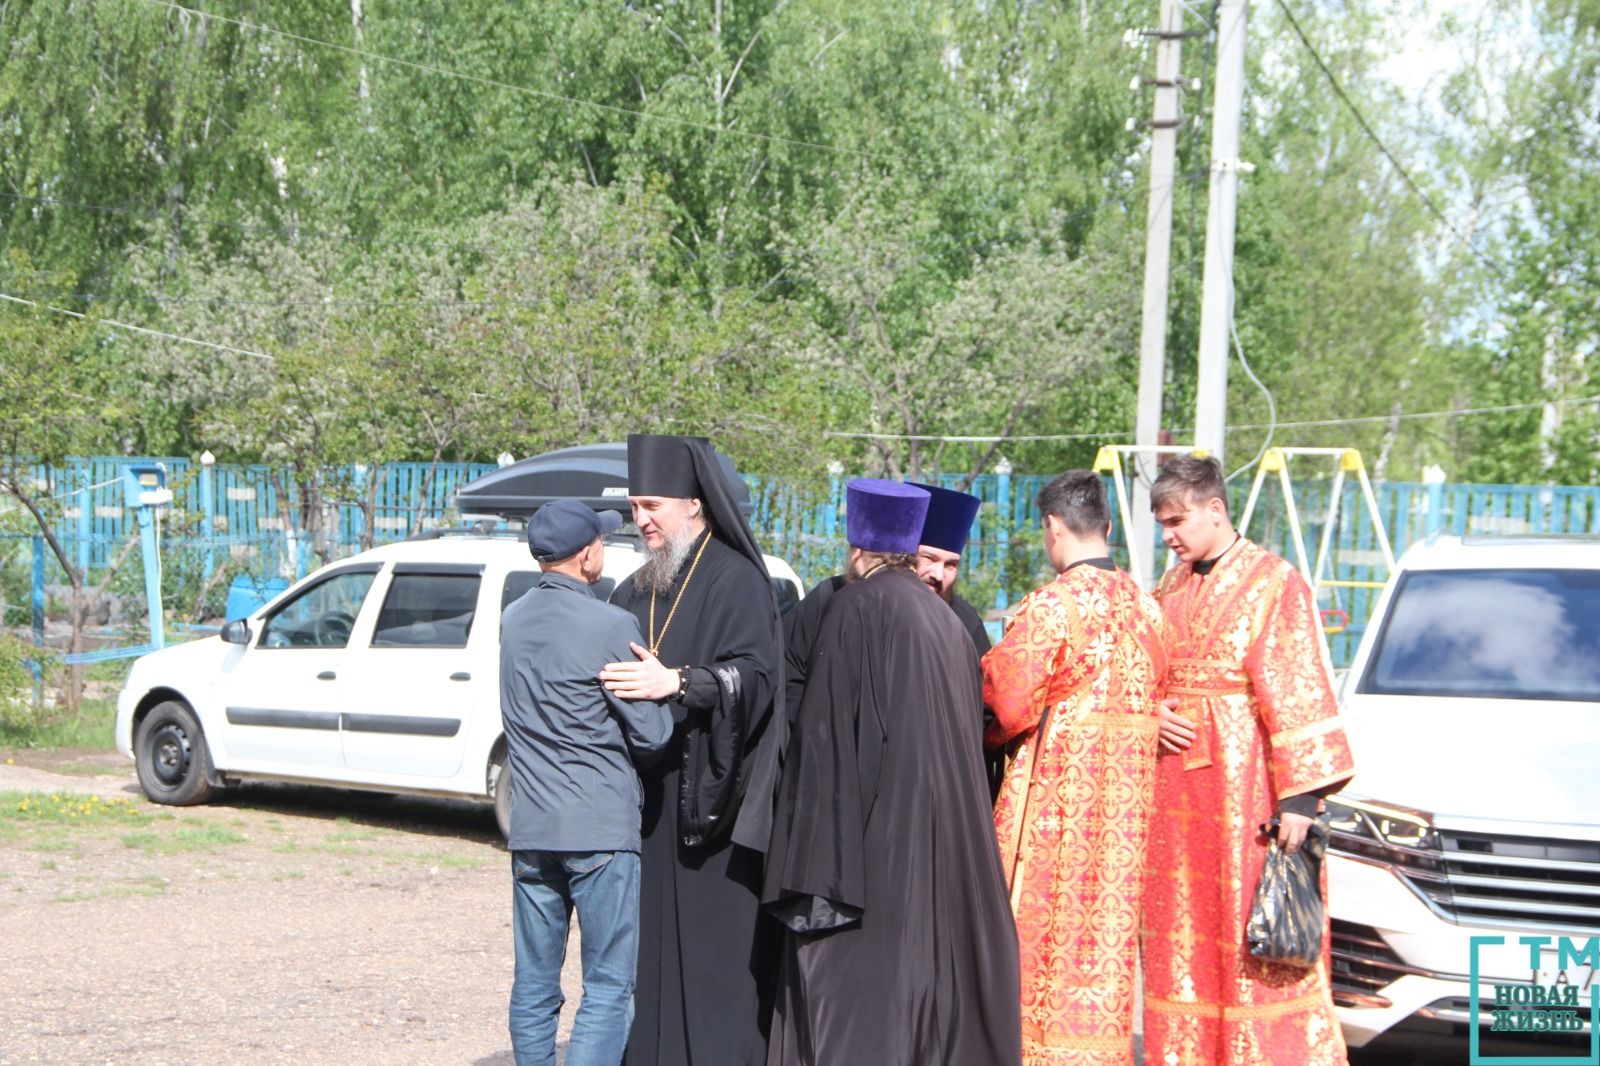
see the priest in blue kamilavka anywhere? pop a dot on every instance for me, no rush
(899, 947)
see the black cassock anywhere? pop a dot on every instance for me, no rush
(705, 969)
(972, 622)
(805, 620)
(901, 949)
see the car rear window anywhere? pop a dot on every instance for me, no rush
(427, 610)
(518, 582)
(1510, 634)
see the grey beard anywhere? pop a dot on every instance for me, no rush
(663, 564)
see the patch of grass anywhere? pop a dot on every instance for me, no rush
(208, 836)
(93, 725)
(56, 840)
(442, 859)
(288, 875)
(199, 837)
(113, 891)
(349, 832)
(459, 862)
(68, 810)
(47, 864)
(352, 836)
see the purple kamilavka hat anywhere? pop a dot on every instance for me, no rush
(884, 516)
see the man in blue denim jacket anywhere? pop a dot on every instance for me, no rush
(575, 793)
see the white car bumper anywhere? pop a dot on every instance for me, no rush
(1397, 958)
(127, 700)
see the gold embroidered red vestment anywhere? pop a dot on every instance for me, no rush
(1248, 669)
(1075, 805)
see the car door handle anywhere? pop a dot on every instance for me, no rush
(326, 675)
(460, 675)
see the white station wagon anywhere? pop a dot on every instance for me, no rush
(378, 672)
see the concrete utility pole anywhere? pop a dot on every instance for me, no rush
(1216, 309)
(1157, 264)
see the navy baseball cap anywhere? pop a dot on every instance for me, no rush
(563, 528)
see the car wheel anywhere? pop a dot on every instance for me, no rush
(500, 786)
(170, 753)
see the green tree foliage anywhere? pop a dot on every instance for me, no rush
(452, 229)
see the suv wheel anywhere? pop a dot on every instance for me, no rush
(170, 754)
(500, 787)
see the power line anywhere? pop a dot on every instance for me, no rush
(1358, 420)
(994, 439)
(1456, 413)
(138, 329)
(542, 94)
(942, 244)
(1366, 127)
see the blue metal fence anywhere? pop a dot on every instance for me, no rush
(260, 520)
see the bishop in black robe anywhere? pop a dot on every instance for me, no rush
(706, 953)
(899, 948)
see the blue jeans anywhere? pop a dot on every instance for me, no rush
(546, 886)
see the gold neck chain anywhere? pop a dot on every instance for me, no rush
(874, 570)
(655, 640)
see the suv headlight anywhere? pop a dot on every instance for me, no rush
(1396, 837)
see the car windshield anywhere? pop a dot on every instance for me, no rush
(1513, 634)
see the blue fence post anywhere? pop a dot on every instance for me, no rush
(38, 590)
(358, 479)
(830, 513)
(1003, 535)
(85, 516)
(208, 507)
(1433, 477)
(143, 486)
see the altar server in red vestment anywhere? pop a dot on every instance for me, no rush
(1257, 732)
(1074, 687)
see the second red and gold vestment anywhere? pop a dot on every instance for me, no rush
(1075, 806)
(1249, 670)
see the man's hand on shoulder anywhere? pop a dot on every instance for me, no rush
(1177, 732)
(644, 679)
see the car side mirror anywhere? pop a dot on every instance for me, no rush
(236, 632)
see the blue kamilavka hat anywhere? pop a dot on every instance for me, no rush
(950, 515)
(884, 516)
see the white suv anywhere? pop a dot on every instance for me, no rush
(377, 672)
(1473, 708)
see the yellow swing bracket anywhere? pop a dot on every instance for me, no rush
(1347, 461)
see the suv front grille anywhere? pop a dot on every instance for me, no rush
(1363, 962)
(1458, 1010)
(1499, 878)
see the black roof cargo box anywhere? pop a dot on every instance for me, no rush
(597, 474)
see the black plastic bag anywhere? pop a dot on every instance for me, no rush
(1287, 917)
